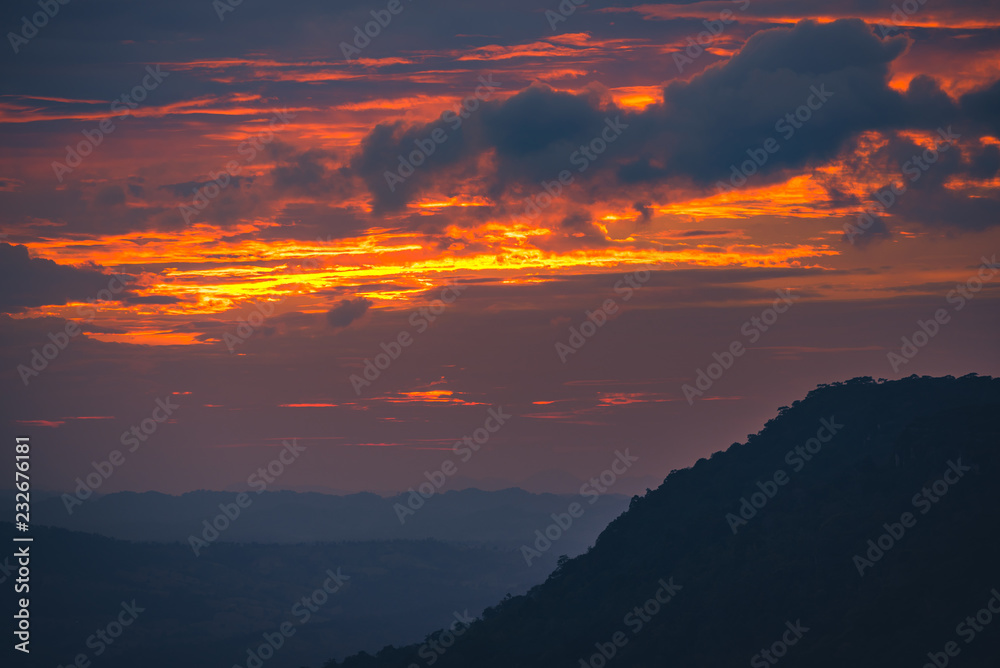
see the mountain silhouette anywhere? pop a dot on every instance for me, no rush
(857, 528)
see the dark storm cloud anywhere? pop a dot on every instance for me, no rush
(386, 144)
(26, 282)
(347, 311)
(303, 171)
(877, 231)
(709, 124)
(926, 184)
(645, 212)
(309, 172)
(983, 106)
(986, 163)
(704, 127)
(533, 134)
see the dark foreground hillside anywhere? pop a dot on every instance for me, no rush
(912, 466)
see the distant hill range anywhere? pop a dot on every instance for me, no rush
(860, 527)
(456, 554)
(508, 517)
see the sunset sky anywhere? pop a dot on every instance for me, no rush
(652, 123)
